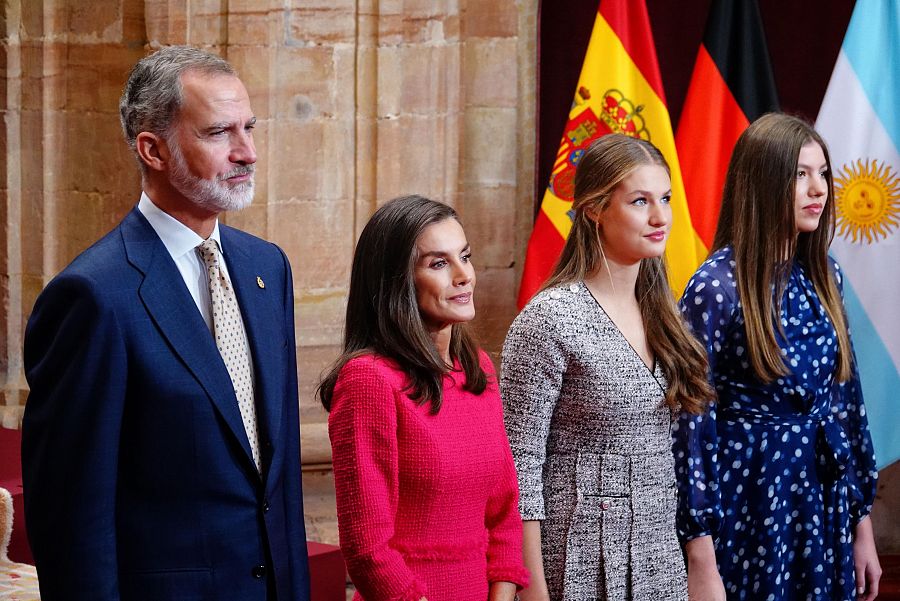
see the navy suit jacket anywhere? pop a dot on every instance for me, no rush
(139, 482)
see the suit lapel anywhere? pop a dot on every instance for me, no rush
(175, 313)
(263, 317)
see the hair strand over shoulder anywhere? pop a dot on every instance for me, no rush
(757, 222)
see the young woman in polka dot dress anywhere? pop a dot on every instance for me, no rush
(777, 482)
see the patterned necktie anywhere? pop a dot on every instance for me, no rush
(231, 340)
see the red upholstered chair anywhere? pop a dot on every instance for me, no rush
(17, 580)
(327, 574)
(11, 480)
(889, 588)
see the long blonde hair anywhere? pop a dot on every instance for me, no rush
(757, 221)
(600, 170)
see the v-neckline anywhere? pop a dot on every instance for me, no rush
(651, 369)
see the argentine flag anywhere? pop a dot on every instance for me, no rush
(860, 121)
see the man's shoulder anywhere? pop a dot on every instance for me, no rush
(247, 241)
(105, 256)
(262, 251)
(99, 275)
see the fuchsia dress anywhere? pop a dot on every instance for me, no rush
(427, 504)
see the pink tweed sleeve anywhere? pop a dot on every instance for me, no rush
(505, 562)
(362, 426)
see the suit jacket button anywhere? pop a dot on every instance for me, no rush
(259, 571)
(265, 507)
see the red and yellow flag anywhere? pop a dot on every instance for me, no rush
(619, 91)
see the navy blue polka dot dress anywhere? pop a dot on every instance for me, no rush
(777, 473)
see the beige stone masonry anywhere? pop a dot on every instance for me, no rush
(358, 101)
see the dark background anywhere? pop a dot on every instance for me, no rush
(804, 39)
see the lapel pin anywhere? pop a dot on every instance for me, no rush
(260, 282)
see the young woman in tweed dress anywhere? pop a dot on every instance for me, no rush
(593, 370)
(424, 480)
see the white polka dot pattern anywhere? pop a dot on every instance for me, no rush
(779, 472)
(231, 340)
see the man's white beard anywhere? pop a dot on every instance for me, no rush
(215, 194)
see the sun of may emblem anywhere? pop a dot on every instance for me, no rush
(867, 200)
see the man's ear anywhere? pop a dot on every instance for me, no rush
(152, 150)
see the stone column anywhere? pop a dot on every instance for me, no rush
(11, 377)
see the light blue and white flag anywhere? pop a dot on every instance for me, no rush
(860, 121)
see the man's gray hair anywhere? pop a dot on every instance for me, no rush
(153, 93)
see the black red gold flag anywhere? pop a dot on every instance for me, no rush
(732, 84)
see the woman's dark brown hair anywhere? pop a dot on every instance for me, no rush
(757, 221)
(382, 314)
(601, 169)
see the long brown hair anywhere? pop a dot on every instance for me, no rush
(757, 221)
(600, 170)
(382, 313)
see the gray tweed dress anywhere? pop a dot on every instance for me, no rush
(591, 439)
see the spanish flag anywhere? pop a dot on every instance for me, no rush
(732, 84)
(619, 91)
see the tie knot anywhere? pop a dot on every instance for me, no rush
(209, 251)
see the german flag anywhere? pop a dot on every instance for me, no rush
(732, 84)
(619, 90)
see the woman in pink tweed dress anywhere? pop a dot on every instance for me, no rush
(427, 496)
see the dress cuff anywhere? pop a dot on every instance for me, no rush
(414, 592)
(531, 506)
(518, 575)
(859, 512)
(685, 537)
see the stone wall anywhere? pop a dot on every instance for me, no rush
(65, 175)
(358, 101)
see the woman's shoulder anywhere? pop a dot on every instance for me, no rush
(371, 369)
(554, 304)
(719, 262)
(835, 269)
(558, 292)
(716, 272)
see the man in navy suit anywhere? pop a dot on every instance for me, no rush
(154, 468)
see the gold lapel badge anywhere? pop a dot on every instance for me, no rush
(260, 282)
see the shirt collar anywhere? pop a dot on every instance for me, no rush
(178, 238)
